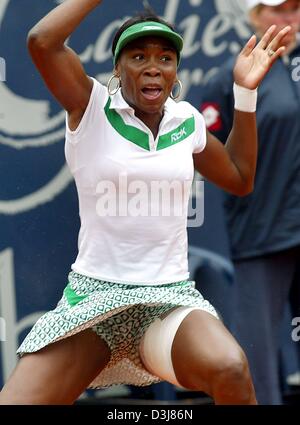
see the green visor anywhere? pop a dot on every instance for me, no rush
(144, 29)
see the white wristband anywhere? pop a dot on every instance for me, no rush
(244, 99)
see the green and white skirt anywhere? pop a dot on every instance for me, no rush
(120, 314)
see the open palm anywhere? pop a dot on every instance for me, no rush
(254, 61)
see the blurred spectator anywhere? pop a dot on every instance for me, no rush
(264, 227)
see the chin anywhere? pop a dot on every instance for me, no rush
(152, 108)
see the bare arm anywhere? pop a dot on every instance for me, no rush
(59, 65)
(233, 166)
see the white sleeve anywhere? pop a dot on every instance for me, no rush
(200, 132)
(98, 99)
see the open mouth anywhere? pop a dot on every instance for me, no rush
(151, 93)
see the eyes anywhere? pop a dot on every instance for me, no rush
(140, 57)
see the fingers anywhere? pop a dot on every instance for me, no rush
(275, 43)
(268, 42)
(272, 45)
(265, 40)
(249, 46)
(276, 54)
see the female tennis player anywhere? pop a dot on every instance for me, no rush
(129, 313)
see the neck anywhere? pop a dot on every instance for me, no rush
(152, 121)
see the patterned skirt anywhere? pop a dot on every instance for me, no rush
(120, 314)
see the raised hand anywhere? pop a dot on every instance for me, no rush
(254, 61)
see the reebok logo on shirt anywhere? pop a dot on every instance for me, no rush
(175, 137)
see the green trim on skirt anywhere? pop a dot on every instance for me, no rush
(118, 313)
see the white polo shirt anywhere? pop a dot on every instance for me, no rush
(133, 190)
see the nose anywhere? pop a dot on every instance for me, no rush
(152, 69)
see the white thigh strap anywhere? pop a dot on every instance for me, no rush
(156, 344)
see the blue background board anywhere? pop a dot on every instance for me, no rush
(38, 204)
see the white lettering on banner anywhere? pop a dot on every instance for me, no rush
(102, 49)
(41, 196)
(296, 71)
(296, 331)
(2, 69)
(2, 330)
(216, 29)
(171, 10)
(8, 312)
(189, 27)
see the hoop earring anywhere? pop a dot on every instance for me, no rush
(111, 91)
(174, 97)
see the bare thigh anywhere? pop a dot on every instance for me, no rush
(202, 349)
(58, 373)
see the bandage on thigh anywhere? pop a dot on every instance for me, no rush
(156, 344)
